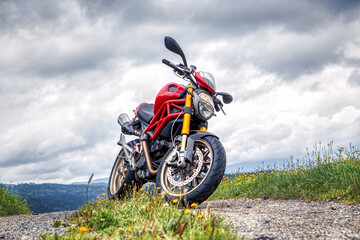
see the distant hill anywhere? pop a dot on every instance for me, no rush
(50, 197)
(99, 180)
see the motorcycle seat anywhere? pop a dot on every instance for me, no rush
(145, 112)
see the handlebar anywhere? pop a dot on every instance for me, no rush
(172, 65)
(181, 70)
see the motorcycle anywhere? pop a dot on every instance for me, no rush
(173, 147)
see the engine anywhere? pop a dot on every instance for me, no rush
(157, 150)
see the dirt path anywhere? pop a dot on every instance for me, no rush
(251, 218)
(290, 219)
(24, 227)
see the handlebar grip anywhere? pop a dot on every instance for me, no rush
(168, 63)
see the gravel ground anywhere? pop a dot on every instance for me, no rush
(290, 219)
(251, 218)
(25, 227)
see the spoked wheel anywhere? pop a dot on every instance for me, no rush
(122, 179)
(196, 181)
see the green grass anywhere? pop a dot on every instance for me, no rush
(11, 204)
(143, 217)
(321, 175)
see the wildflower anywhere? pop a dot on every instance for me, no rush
(85, 211)
(193, 205)
(175, 201)
(200, 216)
(129, 229)
(125, 184)
(99, 201)
(187, 211)
(104, 194)
(83, 229)
(158, 188)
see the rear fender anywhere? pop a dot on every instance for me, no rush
(194, 135)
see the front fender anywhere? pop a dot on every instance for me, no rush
(194, 135)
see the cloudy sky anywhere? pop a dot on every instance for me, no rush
(68, 68)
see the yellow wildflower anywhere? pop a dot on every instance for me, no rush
(175, 201)
(129, 229)
(193, 205)
(85, 211)
(83, 229)
(187, 211)
(104, 194)
(99, 201)
(200, 216)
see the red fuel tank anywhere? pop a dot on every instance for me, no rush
(169, 91)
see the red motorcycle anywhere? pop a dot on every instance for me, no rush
(173, 147)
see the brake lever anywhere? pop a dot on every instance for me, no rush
(221, 107)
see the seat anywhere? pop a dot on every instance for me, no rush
(146, 112)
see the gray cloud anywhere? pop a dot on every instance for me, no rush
(68, 68)
(354, 79)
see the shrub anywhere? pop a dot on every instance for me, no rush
(11, 204)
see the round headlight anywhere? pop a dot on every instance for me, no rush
(203, 104)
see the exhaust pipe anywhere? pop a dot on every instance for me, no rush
(148, 158)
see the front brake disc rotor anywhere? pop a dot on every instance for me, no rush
(176, 179)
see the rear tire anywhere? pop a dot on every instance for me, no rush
(122, 180)
(201, 180)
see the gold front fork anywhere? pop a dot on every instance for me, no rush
(186, 123)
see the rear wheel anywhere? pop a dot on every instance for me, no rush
(122, 180)
(197, 180)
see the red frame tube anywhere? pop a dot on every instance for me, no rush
(163, 116)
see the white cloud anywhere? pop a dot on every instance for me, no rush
(68, 69)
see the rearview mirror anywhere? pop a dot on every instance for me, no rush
(227, 98)
(173, 46)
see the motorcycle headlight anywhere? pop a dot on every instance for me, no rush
(203, 104)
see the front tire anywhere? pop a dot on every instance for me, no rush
(199, 179)
(122, 179)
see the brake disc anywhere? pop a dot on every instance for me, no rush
(171, 175)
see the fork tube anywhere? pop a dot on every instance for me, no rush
(203, 128)
(186, 122)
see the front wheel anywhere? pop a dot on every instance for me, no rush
(195, 182)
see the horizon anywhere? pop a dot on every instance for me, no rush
(69, 68)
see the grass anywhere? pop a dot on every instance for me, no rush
(142, 217)
(321, 175)
(11, 204)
